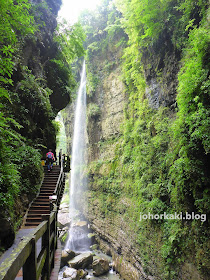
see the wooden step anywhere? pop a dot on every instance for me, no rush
(52, 185)
(41, 203)
(40, 208)
(32, 224)
(34, 219)
(38, 211)
(47, 188)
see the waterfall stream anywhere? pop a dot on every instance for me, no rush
(78, 240)
(78, 179)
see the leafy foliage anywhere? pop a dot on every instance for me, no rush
(161, 160)
(27, 124)
(93, 110)
(15, 24)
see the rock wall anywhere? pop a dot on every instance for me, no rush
(161, 65)
(36, 97)
(115, 219)
(129, 143)
(104, 135)
(111, 100)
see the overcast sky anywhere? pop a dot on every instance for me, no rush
(71, 9)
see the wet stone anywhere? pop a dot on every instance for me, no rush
(71, 274)
(67, 255)
(81, 261)
(100, 266)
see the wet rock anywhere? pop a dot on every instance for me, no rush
(82, 273)
(63, 234)
(7, 234)
(96, 258)
(63, 219)
(92, 236)
(94, 247)
(81, 224)
(81, 261)
(100, 266)
(66, 256)
(71, 274)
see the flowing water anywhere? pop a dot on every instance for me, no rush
(78, 162)
(78, 240)
(78, 182)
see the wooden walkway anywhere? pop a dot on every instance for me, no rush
(41, 205)
(35, 253)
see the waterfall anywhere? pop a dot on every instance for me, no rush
(78, 180)
(78, 183)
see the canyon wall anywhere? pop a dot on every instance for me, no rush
(33, 89)
(142, 156)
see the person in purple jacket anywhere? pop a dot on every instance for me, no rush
(49, 160)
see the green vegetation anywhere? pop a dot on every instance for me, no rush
(61, 135)
(161, 161)
(35, 82)
(93, 110)
(15, 24)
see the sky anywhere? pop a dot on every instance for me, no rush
(71, 9)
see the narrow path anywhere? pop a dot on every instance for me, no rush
(41, 205)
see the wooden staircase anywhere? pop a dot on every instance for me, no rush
(41, 205)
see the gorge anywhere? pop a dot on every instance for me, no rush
(140, 160)
(147, 137)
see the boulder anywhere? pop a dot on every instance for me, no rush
(64, 237)
(66, 256)
(94, 247)
(81, 224)
(82, 273)
(100, 266)
(63, 220)
(81, 261)
(7, 233)
(71, 274)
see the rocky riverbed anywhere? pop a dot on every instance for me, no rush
(85, 262)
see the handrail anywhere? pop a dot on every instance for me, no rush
(59, 188)
(25, 254)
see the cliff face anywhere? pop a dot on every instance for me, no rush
(36, 93)
(36, 61)
(112, 214)
(161, 66)
(133, 156)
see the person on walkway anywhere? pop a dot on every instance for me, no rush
(49, 160)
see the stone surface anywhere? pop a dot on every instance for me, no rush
(81, 224)
(100, 267)
(94, 247)
(82, 273)
(114, 232)
(67, 255)
(81, 261)
(63, 219)
(71, 274)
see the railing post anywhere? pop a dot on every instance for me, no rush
(46, 244)
(54, 230)
(60, 157)
(55, 227)
(30, 266)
